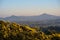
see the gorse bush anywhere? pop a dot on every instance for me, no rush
(14, 31)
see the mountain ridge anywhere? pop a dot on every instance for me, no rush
(31, 18)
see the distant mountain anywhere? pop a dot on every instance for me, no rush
(31, 18)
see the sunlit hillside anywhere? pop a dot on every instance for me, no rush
(14, 31)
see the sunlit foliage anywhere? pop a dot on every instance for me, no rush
(14, 31)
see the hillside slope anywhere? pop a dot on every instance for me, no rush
(14, 31)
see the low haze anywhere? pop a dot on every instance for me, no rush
(29, 7)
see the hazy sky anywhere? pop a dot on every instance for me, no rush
(29, 7)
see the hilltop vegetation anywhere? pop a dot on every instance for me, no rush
(14, 31)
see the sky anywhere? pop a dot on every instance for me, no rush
(29, 7)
